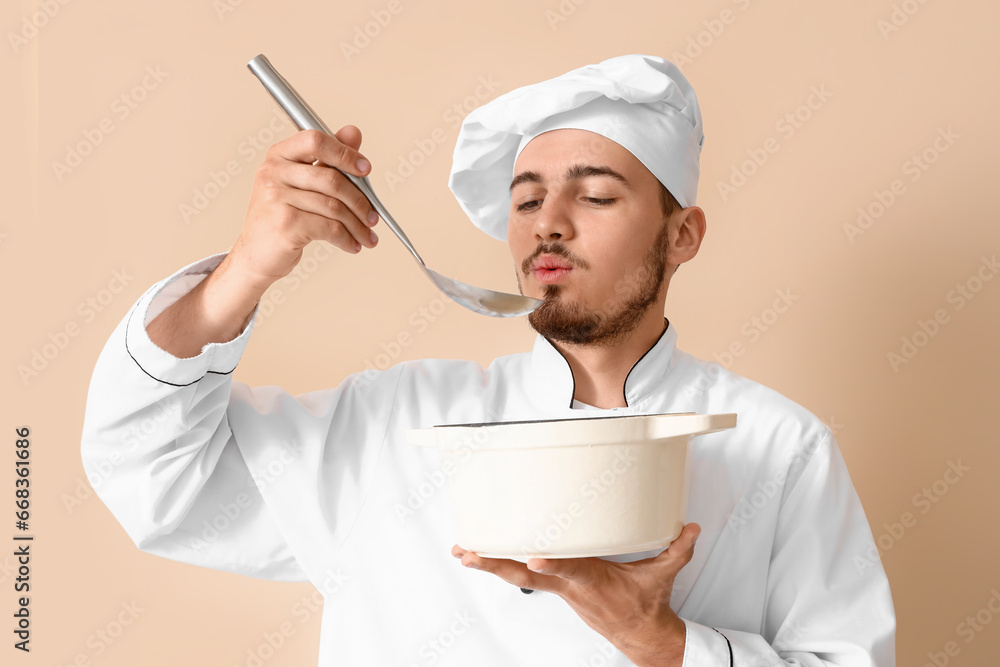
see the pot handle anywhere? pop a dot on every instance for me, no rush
(672, 426)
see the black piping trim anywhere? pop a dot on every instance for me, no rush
(729, 645)
(172, 384)
(572, 377)
(625, 384)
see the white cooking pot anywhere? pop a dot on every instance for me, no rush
(569, 488)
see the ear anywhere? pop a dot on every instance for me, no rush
(690, 226)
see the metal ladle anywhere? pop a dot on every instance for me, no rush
(476, 299)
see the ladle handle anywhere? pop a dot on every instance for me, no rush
(304, 118)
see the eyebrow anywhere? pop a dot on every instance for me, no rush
(575, 172)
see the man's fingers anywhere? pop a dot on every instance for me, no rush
(331, 221)
(331, 183)
(512, 571)
(350, 135)
(317, 228)
(579, 570)
(308, 146)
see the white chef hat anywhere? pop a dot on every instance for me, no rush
(643, 103)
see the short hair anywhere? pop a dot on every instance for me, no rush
(667, 201)
(669, 205)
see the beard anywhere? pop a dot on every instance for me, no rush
(577, 324)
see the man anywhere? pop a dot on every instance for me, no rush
(591, 179)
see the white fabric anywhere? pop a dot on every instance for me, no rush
(201, 468)
(643, 103)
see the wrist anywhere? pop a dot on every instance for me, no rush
(663, 648)
(227, 298)
(234, 276)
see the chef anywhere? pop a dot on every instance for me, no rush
(591, 179)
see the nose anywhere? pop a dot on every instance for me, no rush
(553, 221)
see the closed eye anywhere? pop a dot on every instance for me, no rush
(597, 201)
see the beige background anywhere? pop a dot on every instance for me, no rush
(784, 229)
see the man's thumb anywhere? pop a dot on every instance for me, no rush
(685, 541)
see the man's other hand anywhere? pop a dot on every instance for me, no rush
(627, 603)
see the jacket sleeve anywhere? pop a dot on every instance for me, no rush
(159, 450)
(828, 599)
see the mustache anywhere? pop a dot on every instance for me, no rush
(557, 249)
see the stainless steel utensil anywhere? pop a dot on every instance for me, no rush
(476, 299)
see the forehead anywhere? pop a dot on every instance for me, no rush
(550, 152)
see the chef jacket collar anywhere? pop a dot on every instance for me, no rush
(552, 381)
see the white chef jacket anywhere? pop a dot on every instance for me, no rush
(322, 487)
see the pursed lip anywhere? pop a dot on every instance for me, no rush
(550, 263)
(549, 269)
